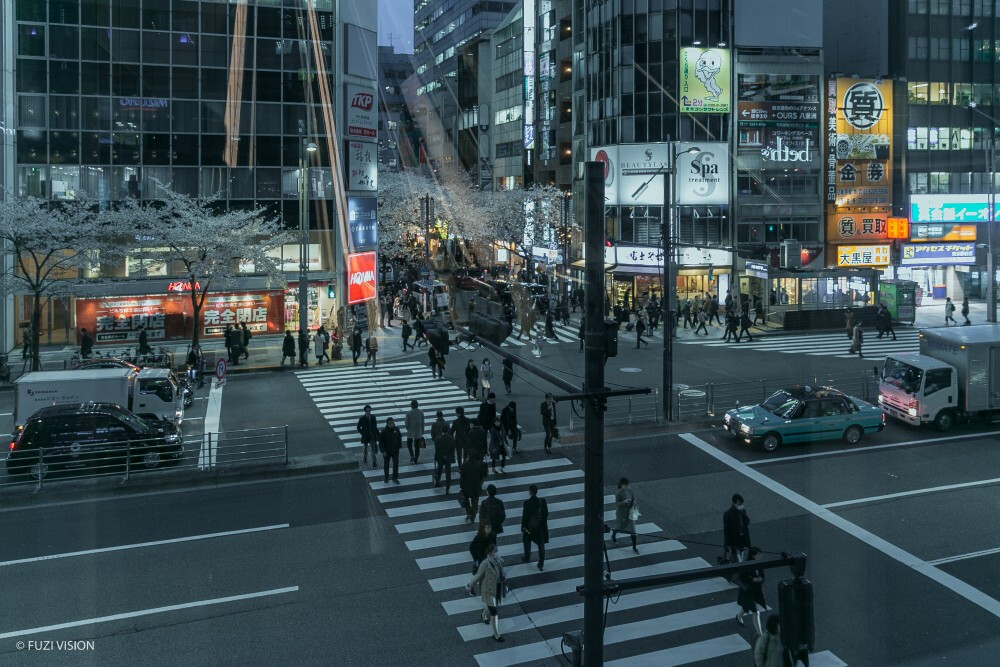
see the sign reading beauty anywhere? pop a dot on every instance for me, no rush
(361, 277)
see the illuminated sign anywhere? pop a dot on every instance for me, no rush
(859, 138)
(142, 103)
(181, 286)
(938, 254)
(782, 152)
(952, 208)
(704, 80)
(941, 231)
(898, 228)
(362, 223)
(756, 269)
(361, 277)
(528, 42)
(362, 114)
(856, 227)
(863, 255)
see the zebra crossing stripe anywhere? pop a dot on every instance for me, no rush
(511, 469)
(452, 503)
(685, 655)
(514, 512)
(430, 491)
(504, 538)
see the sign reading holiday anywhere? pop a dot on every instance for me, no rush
(361, 277)
(362, 114)
(362, 224)
(862, 255)
(704, 80)
(859, 138)
(938, 254)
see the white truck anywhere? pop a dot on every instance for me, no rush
(151, 393)
(955, 376)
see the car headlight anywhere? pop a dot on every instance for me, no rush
(881, 398)
(912, 412)
(745, 429)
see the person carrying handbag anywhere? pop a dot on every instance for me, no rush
(767, 650)
(490, 579)
(485, 375)
(626, 513)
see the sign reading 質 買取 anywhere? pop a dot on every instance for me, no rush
(856, 227)
(938, 254)
(863, 255)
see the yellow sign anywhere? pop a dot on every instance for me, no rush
(899, 228)
(855, 227)
(859, 138)
(704, 82)
(862, 255)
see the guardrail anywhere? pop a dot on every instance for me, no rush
(624, 410)
(206, 452)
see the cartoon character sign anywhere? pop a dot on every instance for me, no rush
(706, 69)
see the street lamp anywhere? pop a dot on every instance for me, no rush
(991, 160)
(305, 148)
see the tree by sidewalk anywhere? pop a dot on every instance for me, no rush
(52, 247)
(210, 245)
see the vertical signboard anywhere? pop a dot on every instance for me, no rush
(704, 80)
(361, 277)
(362, 223)
(529, 76)
(702, 178)
(362, 166)
(362, 115)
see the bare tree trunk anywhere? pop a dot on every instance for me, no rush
(36, 331)
(196, 307)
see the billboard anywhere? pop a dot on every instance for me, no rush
(362, 166)
(850, 256)
(703, 177)
(941, 231)
(361, 277)
(952, 208)
(856, 227)
(362, 114)
(938, 254)
(859, 133)
(362, 223)
(705, 85)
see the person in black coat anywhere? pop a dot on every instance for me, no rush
(477, 442)
(508, 419)
(883, 322)
(444, 456)
(548, 410)
(288, 348)
(487, 411)
(86, 344)
(535, 525)
(368, 428)
(227, 338)
(492, 511)
(420, 332)
(407, 332)
(750, 596)
(303, 348)
(143, 341)
(460, 428)
(245, 339)
(508, 374)
(471, 379)
(391, 441)
(471, 476)
(356, 344)
(736, 530)
(745, 325)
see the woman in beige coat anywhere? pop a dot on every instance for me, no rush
(490, 579)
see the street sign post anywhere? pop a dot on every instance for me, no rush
(220, 372)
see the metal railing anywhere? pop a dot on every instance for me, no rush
(208, 452)
(623, 410)
(714, 399)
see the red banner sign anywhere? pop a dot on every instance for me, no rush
(361, 281)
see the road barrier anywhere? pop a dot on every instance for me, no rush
(622, 410)
(207, 453)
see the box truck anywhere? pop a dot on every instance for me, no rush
(955, 376)
(151, 393)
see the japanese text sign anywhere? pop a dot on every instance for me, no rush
(863, 255)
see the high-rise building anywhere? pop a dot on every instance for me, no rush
(397, 142)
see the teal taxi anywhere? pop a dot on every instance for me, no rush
(804, 414)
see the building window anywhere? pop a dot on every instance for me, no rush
(982, 50)
(917, 183)
(917, 6)
(917, 92)
(939, 92)
(938, 182)
(939, 7)
(916, 47)
(961, 49)
(939, 48)
(961, 7)
(962, 93)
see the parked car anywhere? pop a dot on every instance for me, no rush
(187, 391)
(804, 414)
(94, 435)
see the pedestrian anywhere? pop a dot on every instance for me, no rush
(487, 411)
(965, 311)
(471, 379)
(550, 330)
(498, 446)
(471, 476)
(849, 320)
(356, 344)
(143, 340)
(508, 419)
(407, 332)
(688, 318)
(371, 347)
(368, 428)
(548, 411)
(227, 338)
(480, 544)
(539, 342)
(26, 340)
(768, 650)
(460, 428)
(485, 375)
(391, 441)
(626, 513)
(288, 348)
(745, 325)
(508, 374)
(736, 531)
(618, 314)
(86, 344)
(883, 321)
(713, 310)
(419, 331)
(435, 361)
(490, 579)
(949, 312)
(750, 596)
(731, 324)
(246, 340)
(319, 345)
(640, 328)
(702, 319)
(758, 311)
(857, 339)
(583, 331)
(478, 437)
(535, 525)
(444, 451)
(493, 511)
(414, 431)
(303, 348)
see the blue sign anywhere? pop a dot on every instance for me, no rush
(361, 223)
(952, 208)
(938, 254)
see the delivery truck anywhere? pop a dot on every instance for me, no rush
(150, 393)
(954, 377)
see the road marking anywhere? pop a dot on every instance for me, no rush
(856, 450)
(148, 612)
(514, 468)
(684, 655)
(974, 554)
(513, 513)
(142, 545)
(957, 586)
(915, 492)
(512, 538)
(451, 503)
(500, 483)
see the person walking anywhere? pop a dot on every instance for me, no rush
(750, 596)
(745, 325)
(626, 512)
(640, 328)
(246, 340)
(731, 323)
(857, 339)
(390, 441)
(686, 312)
(419, 331)
(371, 347)
(768, 650)
(86, 344)
(493, 511)
(535, 525)
(539, 342)
(471, 379)
(485, 375)
(356, 344)
(236, 342)
(736, 530)
(460, 428)
(144, 341)
(508, 419)
(498, 446)
(227, 336)
(490, 580)
(414, 431)
(487, 411)
(407, 331)
(435, 361)
(303, 348)
(471, 476)
(478, 442)
(319, 345)
(949, 312)
(508, 374)
(883, 320)
(480, 544)
(288, 348)
(758, 311)
(713, 310)
(444, 451)
(548, 410)
(965, 311)
(368, 428)
(702, 319)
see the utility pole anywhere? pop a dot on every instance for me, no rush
(667, 289)
(991, 223)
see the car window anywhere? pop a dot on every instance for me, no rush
(833, 406)
(936, 380)
(812, 410)
(162, 388)
(105, 425)
(776, 400)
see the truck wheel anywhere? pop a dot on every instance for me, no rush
(853, 434)
(944, 420)
(770, 442)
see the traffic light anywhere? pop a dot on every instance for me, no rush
(438, 337)
(492, 329)
(331, 292)
(610, 338)
(795, 613)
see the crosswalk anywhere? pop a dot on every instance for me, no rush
(564, 334)
(820, 345)
(339, 393)
(674, 625)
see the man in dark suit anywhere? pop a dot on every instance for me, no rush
(368, 428)
(535, 525)
(487, 412)
(391, 441)
(492, 511)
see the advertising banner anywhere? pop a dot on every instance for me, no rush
(704, 80)
(859, 129)
(362, 223)
(262, 311)
(362, 114)
(361, 277)
(952, 208)
(938, 254)
(703, 177)
(862, 255)
(362, 166)
(941, 231)
(857, 227)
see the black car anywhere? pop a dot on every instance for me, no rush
(89, 435)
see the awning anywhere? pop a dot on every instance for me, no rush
(582, 264)
(638, 270)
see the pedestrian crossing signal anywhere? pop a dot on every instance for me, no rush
(795, 614)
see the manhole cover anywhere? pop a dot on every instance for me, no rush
(630, 370)
(692, 393)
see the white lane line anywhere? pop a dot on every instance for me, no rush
(825, 659)
(974, 554)
(452, 503)
(149, 612)
(707, 649)
(957, 586)
(141, 545)
(915, 492)
(858, 450)
(512, 513)
(511, 537)
(420, 467)
(6, 414)
(499, 482)
(551, 648)
(515, 468)
(623, 553)
(213, 413)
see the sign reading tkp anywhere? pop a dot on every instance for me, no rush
(362, 115)
(361, 281)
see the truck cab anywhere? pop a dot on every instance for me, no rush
(918, 389)
(157, 395)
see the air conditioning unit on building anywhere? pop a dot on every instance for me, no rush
(791, 254)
